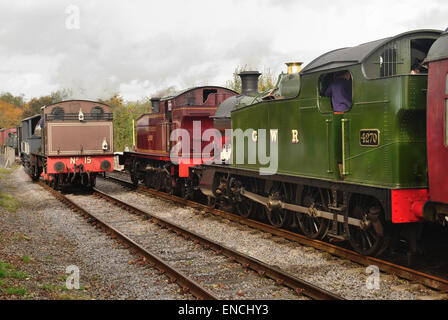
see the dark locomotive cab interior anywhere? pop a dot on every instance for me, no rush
(155, 105)
(206, 93)
(398, 57)
(168, 110)
(419, 51)
(324, 81)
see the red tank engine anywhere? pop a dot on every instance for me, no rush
(6, 135)
(169, 140)
(70, 143)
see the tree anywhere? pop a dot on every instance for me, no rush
(235, 83)
(124, 113)
(266, 81)
(17, 101)
(34, 106)
(116, 101)
(10, 116)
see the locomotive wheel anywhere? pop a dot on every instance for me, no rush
(50, 181)
(92, 180)
(149, 179)
(184, 188)
(246, 207)
(134, 179)
(368, 239)
(55, 182)
(157, 182)
(278, 217)
(36, 175)
(211, 202)
(314, 228)
(168, 184)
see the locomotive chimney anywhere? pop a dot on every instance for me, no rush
(155, 104)
(249, 82)
(294, 67)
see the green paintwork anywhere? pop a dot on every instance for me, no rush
(394, 105)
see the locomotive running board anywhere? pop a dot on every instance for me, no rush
(313, 212)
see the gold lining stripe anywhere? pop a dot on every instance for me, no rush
(152, 151)
(208, 108)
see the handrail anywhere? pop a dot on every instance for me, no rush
(344, 165)
(75, 116)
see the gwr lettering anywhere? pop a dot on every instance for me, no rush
(295, 136)
(254, 136)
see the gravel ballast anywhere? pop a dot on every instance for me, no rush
(43, 237)
(343, 277)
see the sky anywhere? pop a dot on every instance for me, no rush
(98, 48)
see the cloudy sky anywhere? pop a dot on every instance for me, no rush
(136, 48)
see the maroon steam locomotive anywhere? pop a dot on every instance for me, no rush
(177, 120)
(70, 143)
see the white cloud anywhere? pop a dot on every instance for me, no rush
(140, 47)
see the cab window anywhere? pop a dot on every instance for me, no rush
(97, 113)
(155, 105)
(337, 86)
(419, 51)
(206, 93)
(388, 60)
(58, 113)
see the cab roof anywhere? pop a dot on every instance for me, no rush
(355, 55)
(439, 49)
(69, 100)
(178, 93)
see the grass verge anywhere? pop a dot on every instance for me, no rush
(8, 202)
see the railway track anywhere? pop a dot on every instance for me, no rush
(111, 226)
(428, 280)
